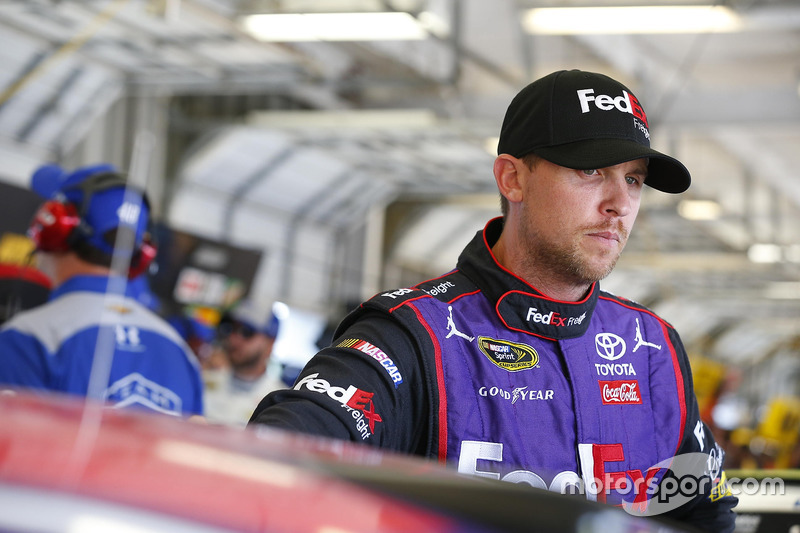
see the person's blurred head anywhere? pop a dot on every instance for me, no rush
(247, 334)
(197, 333)
(92, 213)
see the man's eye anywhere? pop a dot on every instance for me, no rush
(633, 180)
(591, 172)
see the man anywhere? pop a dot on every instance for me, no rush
(515, 365)
(246, 334)
(93, 338)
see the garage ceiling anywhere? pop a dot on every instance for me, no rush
(358, 166)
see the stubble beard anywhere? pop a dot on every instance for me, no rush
(565, 261)
(247, 360)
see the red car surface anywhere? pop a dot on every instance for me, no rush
(67, 465)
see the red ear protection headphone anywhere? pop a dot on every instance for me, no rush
(59, 224)
(143, 257)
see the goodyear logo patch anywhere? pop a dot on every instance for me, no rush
(510, 356)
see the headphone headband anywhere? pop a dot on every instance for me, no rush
(61, 222)
(102, 181)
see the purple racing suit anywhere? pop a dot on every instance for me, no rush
(481, 371)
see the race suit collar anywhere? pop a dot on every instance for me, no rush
(519, 305)
(100, 284)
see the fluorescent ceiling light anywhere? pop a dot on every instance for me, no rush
(345, 118)
(634, 19)
(764, 253)
(433, 23)
(287, 27)
(699, 210)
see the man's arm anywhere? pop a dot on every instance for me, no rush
(712, 508)
(366, 387)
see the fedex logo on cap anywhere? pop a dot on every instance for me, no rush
(627, 103)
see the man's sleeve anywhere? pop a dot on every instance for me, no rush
(23, 360)
(366, 387)
(712, 508)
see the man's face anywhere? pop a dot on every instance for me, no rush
(575, 223)
(245, 347)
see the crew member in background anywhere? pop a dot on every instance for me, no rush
(197, 333)
(246, 336)
(93, 338)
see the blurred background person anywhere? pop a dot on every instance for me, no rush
(199, 335)
(94, 337)
(246, 336)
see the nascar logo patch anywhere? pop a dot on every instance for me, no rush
(510, 356)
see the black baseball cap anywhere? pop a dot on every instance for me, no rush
(585, 120)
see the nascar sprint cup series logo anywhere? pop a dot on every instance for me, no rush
(510, 356)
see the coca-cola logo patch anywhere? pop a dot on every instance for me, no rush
(620, 392)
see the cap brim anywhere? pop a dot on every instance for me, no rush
(46, 180)
(238, 317)
(664, 173)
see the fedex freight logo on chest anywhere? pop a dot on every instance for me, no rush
(552, 318)
(626, 103)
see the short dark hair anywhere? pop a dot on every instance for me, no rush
(89, 253)
(530, 161)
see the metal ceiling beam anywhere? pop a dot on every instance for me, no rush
(761, 160)
(256, 178)
(49, 106)
(304, 212)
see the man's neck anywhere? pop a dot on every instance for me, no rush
(545, 282)
(68, 265)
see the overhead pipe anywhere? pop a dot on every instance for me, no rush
(459, 50)
(291, 231)
(50, 104)
(64, 50)
(248, 184)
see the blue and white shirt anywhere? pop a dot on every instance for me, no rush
(137, 358)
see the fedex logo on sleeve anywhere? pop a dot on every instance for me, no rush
(627, 103)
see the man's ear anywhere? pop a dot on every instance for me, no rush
(507, 176)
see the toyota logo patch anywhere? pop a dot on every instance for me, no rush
(609, 346)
